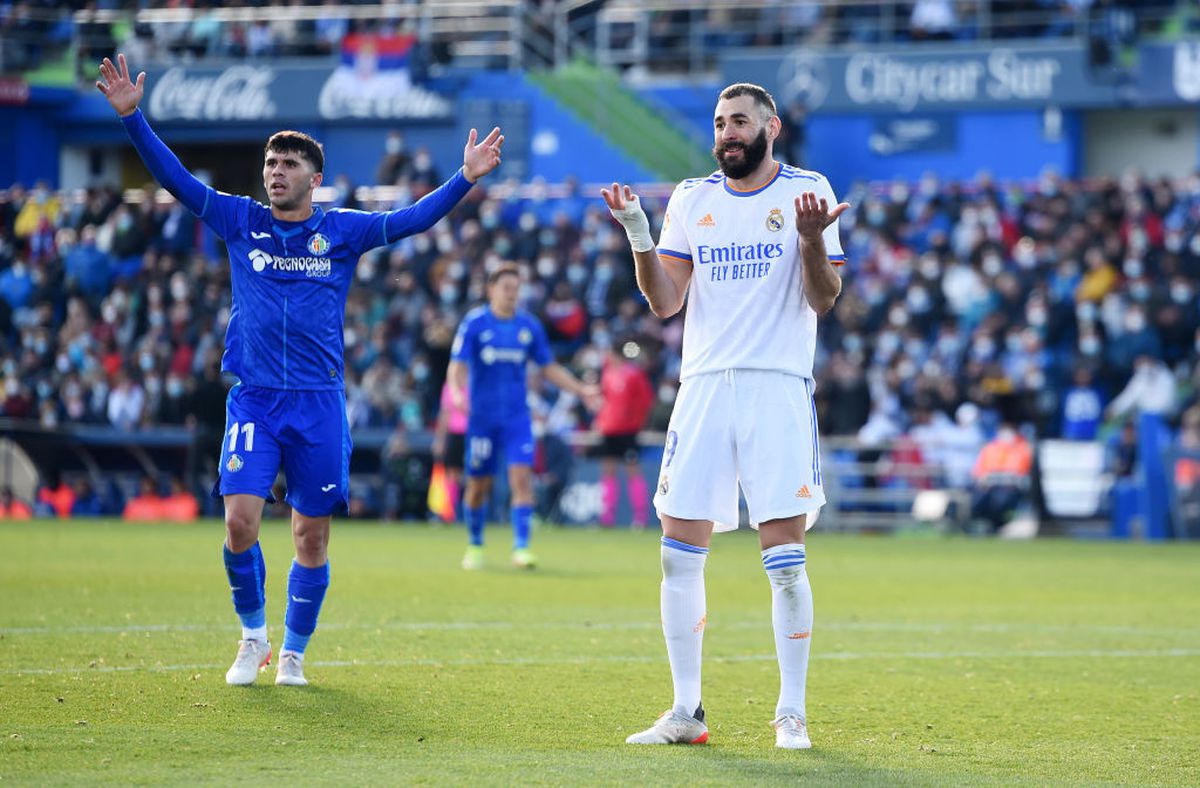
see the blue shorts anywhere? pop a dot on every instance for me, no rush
(485, 441)
(306, 431)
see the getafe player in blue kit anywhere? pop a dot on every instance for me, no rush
(291, 265)
(492, 350)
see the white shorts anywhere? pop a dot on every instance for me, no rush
(750, 427)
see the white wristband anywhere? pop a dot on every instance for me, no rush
(637, 226)
(640, 242)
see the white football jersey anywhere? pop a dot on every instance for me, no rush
(746, 307)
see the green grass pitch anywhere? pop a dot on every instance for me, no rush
(936, 661)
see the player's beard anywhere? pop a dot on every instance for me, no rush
(752, 156)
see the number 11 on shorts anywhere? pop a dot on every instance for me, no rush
(247, 436)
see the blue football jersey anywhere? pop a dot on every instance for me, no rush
(290, 279)
(290, 282)
(496, 353)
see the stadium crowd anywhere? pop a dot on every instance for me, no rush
(965, 307)
(34, 32)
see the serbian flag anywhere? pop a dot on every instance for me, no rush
(440, 502)
(377, 52)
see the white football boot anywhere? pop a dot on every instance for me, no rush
(290, 671)
(252, 656)
(674, 727)
(791, 733)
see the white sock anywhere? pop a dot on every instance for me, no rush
(792, 618)
(255, 633)
(683, 617)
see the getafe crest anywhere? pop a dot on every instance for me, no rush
(524, 336)
(318, 244)
(234, 463)
(775, 220)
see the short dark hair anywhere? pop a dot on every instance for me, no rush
(502, 270)
(757, 92)
(297, 142)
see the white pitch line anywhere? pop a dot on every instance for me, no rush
(450, 626)
(630, 658)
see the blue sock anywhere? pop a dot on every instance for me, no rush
(306, 592)
(521, 516)
(247, 574)
(475, 519)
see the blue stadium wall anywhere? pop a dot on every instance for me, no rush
(1009, 145)
(29, 138)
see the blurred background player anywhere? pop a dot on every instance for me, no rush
(492, 348)
(745, 412)
(291, 265)
(628, 398)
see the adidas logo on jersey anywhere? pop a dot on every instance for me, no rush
(706, 221)
(803, 492)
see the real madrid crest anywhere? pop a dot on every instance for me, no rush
(318, 244)
(775, 220)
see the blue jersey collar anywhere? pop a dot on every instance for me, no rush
(499, 319)
(288, 229)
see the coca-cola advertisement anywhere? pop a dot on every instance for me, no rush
(235, 93)
(372, 82)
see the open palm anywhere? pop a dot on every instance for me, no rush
(122, 93)
(479, 160)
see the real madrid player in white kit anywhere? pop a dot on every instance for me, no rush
(757, 246)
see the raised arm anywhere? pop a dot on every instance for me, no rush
(478, 160)
(664, 286)
(822, 283)
(124, 95)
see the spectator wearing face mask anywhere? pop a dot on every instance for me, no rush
(16, 285)
(396, 162)
(1099, 280)
(424, 175)
(1176, 319)
(88, 267)
(174, 403)
(126, 402)
(1137, 339)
